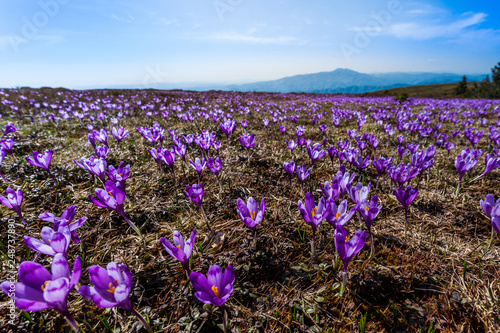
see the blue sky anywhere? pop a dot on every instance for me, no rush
(88, 43)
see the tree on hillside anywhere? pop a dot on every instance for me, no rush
(495, 74)
(462, 87)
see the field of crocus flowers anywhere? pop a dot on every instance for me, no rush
(173, 211)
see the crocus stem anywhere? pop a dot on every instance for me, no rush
(205, 217)
(313, 241)
(290, 183)
(248, 155)
(301, 189)
(224, 317)
(406, 221)
(199, 179)
(173, 172)
(143, 321)
(458, 189)
(132, 225)
(372, 246)
(344, 282)
(378, 180)
(220, 185)
(71, 322)
(53, 178)
(254, 235)
(492, 235)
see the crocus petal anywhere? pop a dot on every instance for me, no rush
(38, 246)
(56, 291)
(59, 267)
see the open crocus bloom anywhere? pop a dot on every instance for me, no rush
(250, 213)
(216, 287)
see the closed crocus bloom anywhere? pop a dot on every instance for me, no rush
(111, 288)
(198, 165)
(101, 136)
(312, 215)
(180, 250)
(247, 140)
(491, 163)
(68, 215)
(195, 194)
(101, 151)
(495, 220)
(9, 128)
(315, 153)
(369, 211)
(38, 289)
(13, 200)
(216, 287)
(250, 213)
(406, 196)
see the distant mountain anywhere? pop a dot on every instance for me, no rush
(348, 81)
(340, 80)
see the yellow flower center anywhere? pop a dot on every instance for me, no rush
(313, 212)
(111, 287)
(347, 238)
(252, 215)
(216, 291)
(109, 192)
(45, 285)
(179, 246)
(337, 215)
(367, 208)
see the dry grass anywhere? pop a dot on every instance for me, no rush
(440, 276)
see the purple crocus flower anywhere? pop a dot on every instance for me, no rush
(68, 215)
(228, 127)
(101, 136)
(247, 141)
(312, 215)
(38, 289)
(402, 151)
(95, 166)
(2, 156)
(368, 210)
(290, 169)
(250, 213)
(302, 174)
(189, 139)
(195, 194)
(347, 248)
(112, 198)
(215, 288)
(332, 152)
(168, 157)
(338, 214)
(7, 144)
(344, 179)
(495, 222)
(156, 154)
(215, 166)
(330, 190)
(381, 165)
(491, 163)
(119, 134)
(13, 201)
(119, 175)
(9, 128)
(489, 204)
(180, 250)
(101, 151)
(291, 145)
(111, 288)
(244, 124)
(359, 192)
(180, 150)
(464, 162)
(406, 197)
(198, 165)
(315, 153)
(448, 145)
(42, 161)
(322, 128)
(52, 241)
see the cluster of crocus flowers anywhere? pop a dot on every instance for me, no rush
(38, 289)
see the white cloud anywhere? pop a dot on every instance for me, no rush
(233, 37)
(420, 31)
